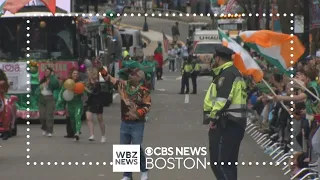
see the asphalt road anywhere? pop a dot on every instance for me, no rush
(157, 24)
(175, 120)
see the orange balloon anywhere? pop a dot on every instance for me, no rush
(221, 2)
(78, 88)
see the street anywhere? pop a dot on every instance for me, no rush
(174, 120)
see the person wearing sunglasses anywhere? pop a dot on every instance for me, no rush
(135, 104)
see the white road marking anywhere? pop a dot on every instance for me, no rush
(186, 98)
(179, 78)
(161, 90)
(205, 77)
(115, 95)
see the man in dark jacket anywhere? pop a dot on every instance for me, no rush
(175, 32)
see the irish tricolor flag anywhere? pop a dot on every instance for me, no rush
(275, 47)
(242, 59)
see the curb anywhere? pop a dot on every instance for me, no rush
(143, 37)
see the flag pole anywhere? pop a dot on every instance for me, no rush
(306, 89)
(272, 91)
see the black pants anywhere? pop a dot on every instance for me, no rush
(184, 84)
(194, 82)
(171, 65)
(224, 144)
(159, 73)
(69, 127)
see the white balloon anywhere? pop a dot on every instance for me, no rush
(1, 105)
(68, 95)
(87, 63)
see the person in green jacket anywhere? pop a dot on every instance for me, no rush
(74, 107)
(48, 84)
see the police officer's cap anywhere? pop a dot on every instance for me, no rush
(224, 52)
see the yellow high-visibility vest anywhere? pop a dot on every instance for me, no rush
(237, 97)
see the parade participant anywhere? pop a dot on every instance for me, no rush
(175, 32)
(180, 56)
(135, 104)
(185, 72)
(95, 104)
(225, 112)
(172, 55)
(47, 104)
(159, 58)
(75, 106)
(153, 64)
(194, 74)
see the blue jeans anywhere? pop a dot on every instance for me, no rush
(132, 133)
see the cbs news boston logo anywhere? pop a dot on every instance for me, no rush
(126, 158)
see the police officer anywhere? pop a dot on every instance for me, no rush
(225, 112)
(194, 73)
(185, 72)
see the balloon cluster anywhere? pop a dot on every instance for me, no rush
(33, 67)
(72, 88)
(85, 65)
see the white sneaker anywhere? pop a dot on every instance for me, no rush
(49, 135)
(317, 163)
(144, 176)
(103, 139)
(44, 133)
(126, 178)
(91, 138)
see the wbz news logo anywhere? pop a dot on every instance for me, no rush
(126, 158)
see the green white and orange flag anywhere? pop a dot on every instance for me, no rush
(242, 59)
(275, 47)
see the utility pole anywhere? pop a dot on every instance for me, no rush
(268, 7)
(88, 4)
(145, 25)
(306, 24)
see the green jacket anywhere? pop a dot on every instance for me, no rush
(53, 85)
(76, 101)
(313, 107)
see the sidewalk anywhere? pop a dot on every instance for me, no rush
(153, 37)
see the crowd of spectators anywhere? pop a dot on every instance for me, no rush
(272, 114)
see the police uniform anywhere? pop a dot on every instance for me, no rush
(194, 75)
(225, 106)
(185, 72)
